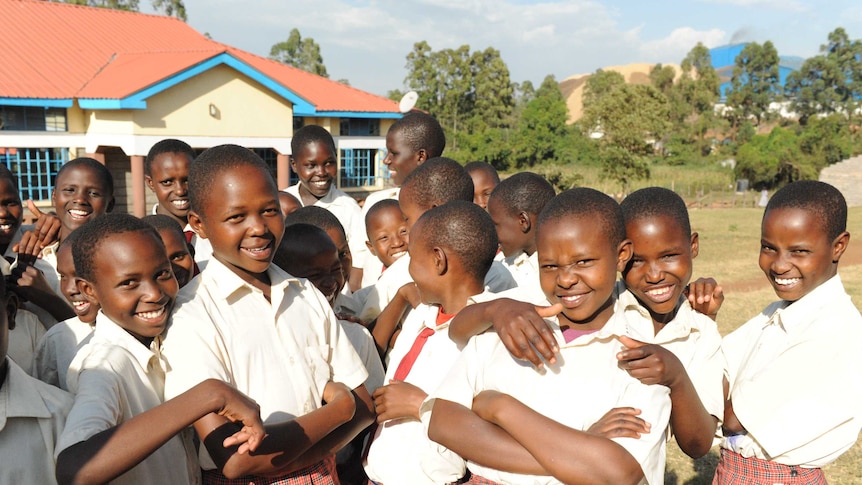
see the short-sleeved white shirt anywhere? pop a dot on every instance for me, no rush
(584, 385)
(525, 270)
(795, 378)
(498, 279)
(373, 268)
(363, 344)
(281, 354)
(114, 378)
(692, 337)
(23, 340)
(57, 348)
(32, 416)
(401, 451)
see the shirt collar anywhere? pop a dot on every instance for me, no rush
(224, 282)
(107, 331)
(613, 328)
(793, 316)
(640, 325)
(19, 396)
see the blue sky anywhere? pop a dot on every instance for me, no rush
(366, 41)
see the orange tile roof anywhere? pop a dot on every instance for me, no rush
(63, 51)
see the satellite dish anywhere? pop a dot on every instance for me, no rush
(408, 101)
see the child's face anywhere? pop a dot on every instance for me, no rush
(133, 282)
(410, 209)
(323, 270)
(423, 268)
(11, 211)
(288, 203)
(400, 158)
(510, 228)
(795, 253)
(169, 180)
(316, 167)
(578, 268)
(483, 185)
(80, 195)
(244, 222)
(387, 235)
(344, 255)
(181, 259)
(661, 265)
(84, 308)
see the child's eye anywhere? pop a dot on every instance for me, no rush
(130, 283)
(765, 249)
(164, 274)
(549, 267)
(383, 238)
(167, 183)
(236, 217)
(93, 193)
(179, 256)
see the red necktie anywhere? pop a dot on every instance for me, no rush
(409, 359)
(189, 236)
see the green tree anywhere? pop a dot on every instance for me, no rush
(696, 93)
(171, 8)
(754, 84)
(774, 160)
(300, 53)
(543, 135)
(600, 83)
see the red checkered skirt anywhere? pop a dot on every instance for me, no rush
(480, 480)
(734, 469)
(321, 473)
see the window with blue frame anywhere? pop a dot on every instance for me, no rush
(359, 165)
(36, 169)
(30, 118)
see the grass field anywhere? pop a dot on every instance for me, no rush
(729, 244)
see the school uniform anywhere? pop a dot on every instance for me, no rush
(525, 270)
(585, 384)
(397, 275)
(363, 343)
(24, 339)
(373, 268)
(203, 248)
(796, 385)
(32, 416)
(57, 348)
(281, 354)
(691, 336)
(114, 378)
(401, 451)
(349, 214)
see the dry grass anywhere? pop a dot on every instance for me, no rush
(729, 242)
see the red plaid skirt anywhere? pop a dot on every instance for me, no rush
(321, 473)
(479, 480)
(734, 469)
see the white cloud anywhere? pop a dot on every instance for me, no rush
(675, 46)
(791, 5)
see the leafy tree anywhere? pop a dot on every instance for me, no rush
(755, 83)
(826, 140)
(696, 92)
(171, 8)
(600, 83)
(662, 78)
(543, 135)
(301, 53)
(774, 160)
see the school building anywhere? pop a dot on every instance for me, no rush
(81, 81)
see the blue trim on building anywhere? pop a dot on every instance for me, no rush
(101, 103)
(37, 102)
(354, 114)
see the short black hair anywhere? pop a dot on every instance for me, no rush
(523, 192)
(824, 201)
(583, 202)
(421, 131)
(438, 181)
(302, 242)
(70, 240)
(379, 207)
(211, 163)
(311, 134)
(315, 216)
(652, 202)
(90, 163)
(486, 167)
(85, 249)
(161, 222)
(168, 145)
(464, 229)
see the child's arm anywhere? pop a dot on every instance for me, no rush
(520, 326)
(114, 451)
(406, 298)
(705, 296)
(574, 457)
(45, 232)
(651, 364)
(31, 286)
(398, 400)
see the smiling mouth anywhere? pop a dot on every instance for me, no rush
(152, 316)
(786, 282)
(660, 294)
(6, 227)
(78, 214)
(259, 253)
(572, 301)
(397, 255)
(180, 203)
(81, 307)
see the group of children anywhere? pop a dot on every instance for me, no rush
(456, 329)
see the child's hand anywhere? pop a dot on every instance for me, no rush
(487, 403)
(30, 283)
(620, 423)
(705, 296)
(351, 318)
(398, 400)
(523, 330)
(649, 363)
(410, 294)
(45, 231)
(240, 408)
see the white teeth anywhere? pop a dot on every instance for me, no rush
(786, 281)
(180, 204)
(80, 305)
(153, 314)
(659, 291)
(5, 227)
(78, 213)
(398, 254)
(571, 299)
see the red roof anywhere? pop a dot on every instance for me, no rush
(63, 51)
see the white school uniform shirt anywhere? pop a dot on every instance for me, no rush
(203, 248)
(349, 214)
(401, 451)
(373, 268)
(795, 379)
(57, 348)
(24, 339)
(585, 384)
(525, 270)
(691, 336)
(497, 279)
(114, 378)
(281, 354)
(363, 343)
(32, 416)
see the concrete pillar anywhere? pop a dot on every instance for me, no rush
(282, 167)
(138, 186)
(97, 156)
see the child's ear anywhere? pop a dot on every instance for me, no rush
(371, 248)
(695, 245)
(11, 309)
(624, 254)
(197, 224)
(87, 290)
(110, 204)
(292, 162)
(421, 155)
(839, 245)
(441, 262)
(525, 222)
(149, 181)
